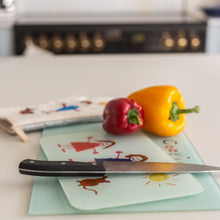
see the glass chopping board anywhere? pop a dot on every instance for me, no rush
(92, 193)
(48, 197)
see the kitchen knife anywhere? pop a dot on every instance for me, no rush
(72, 168)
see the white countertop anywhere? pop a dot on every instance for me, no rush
(26, 81)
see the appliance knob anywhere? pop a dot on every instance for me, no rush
(195, 43)
(57, 43)
(84, 42)
(43, 41)
(166, 41)
(71, 43)
(181, 41)
(98, 42)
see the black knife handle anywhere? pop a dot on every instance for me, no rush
(60, 168)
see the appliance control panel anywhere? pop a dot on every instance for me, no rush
(112, 38)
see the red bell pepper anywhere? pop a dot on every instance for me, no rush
(122, 116)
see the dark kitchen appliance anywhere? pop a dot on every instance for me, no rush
(113, 34)
(212, 12)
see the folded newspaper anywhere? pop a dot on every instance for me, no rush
(65, 111)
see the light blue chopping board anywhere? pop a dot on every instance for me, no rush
(48, 197)
(91, 193)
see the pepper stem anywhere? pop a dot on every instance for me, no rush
(133, 116)
(175, 111)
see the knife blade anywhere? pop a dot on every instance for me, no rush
(74, 168)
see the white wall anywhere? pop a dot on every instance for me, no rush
(104, 6)
(94, 6)
(198, 4)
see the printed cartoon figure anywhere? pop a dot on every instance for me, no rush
(93, 182)
(81, 146)
(137, 157)
(129, 157)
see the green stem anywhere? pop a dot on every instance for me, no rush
(196, 109)
(133, 116)
(175, 111)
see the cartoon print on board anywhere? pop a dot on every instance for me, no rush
(173, 152)
(130, 157)
(171, 147)
(170, 141)
(137, 157)
(161, 178)
(82, 146)
(93, 182)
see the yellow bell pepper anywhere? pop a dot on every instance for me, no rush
(164, 112)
